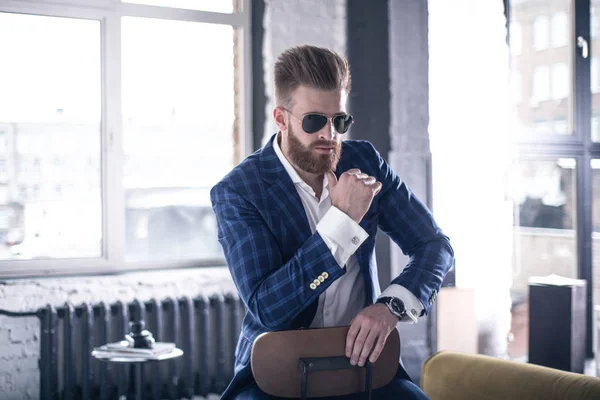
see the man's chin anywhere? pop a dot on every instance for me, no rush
(321, 169)
(327, 167)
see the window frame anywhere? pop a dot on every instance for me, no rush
(109, 14)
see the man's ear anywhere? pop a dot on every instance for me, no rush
(280, 119)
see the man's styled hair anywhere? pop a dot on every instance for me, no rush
(311, 66)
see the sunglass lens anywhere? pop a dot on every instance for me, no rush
(312, 123)
(342, 123)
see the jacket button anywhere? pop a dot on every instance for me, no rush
(313, 286)
(316, 282)
(325, 275)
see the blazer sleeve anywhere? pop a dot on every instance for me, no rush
(274, 291)
(408, 222)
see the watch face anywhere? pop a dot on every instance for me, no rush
(397, 306)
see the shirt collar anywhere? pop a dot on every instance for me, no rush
(292, 172)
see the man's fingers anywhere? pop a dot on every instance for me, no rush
(378, 348)
(369, 342)
(351, 337)
(376, 188)
(353, 171)
(369, 180)
(359, 343)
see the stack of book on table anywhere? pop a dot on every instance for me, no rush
(123, 349)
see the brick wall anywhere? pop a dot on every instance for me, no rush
(409, 140)
(291, 23)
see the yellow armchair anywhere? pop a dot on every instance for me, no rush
(449, 375)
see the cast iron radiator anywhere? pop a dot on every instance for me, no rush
(206, 329)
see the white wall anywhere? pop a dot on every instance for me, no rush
(468, 81)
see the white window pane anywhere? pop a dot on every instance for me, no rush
(222, 6)
(178, 110)
(560, 81)
(50, 109)
(540, 33)
(560, 29)
(515, 38)
(595, 75)
(545, 219)
(594, 21)
(545, 64)
(541, 83)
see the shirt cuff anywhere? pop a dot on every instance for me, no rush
(412, 304)
(341, 234)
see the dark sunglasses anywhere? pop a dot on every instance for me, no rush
(312, 123)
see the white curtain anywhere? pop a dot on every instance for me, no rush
(470, 144)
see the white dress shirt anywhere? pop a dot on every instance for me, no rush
(345, 297)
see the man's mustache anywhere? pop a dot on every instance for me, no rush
(325, 144)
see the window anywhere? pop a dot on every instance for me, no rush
(119, 125)
(556, 215)
(540, 33)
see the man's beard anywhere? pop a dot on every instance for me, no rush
(305, 159)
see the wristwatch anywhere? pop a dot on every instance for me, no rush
(395, 305)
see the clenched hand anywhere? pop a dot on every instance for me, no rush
(353, 193)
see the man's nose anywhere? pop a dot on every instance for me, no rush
(328, 132)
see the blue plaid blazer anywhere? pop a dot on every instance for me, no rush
(273, 256)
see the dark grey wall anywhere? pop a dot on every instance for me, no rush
(369, 101)
(259, 99)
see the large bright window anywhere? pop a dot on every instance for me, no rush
(116, 119)
(554, 182)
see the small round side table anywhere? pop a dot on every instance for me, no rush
(138, 362)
